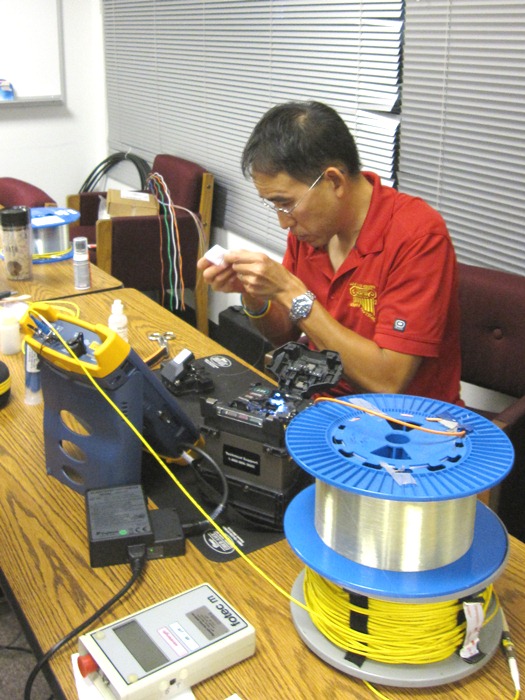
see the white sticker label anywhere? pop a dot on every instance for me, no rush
(129, 194)
(401, 478)
(474, 617)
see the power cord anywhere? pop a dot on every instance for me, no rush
(197, 527)
(137, 560)
(11, 646)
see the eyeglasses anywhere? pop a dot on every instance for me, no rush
(288, 210)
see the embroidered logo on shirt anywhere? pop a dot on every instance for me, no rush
(364, 296)
(399, 324)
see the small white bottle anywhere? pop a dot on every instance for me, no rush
(81, 269)
(10, 340)
(118, 321)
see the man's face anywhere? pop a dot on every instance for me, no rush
(310, 210)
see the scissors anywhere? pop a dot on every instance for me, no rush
(162, 338)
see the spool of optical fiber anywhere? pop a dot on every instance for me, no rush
(376, 521)
(397, 490)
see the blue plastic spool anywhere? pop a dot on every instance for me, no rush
(345, 447)
(482, 564)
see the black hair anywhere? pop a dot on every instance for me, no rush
(301, 139)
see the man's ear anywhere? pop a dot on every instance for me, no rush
(335, 176)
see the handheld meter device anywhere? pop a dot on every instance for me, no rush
(166, 648)
(103, 452)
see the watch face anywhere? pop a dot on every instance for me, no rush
(302, 306)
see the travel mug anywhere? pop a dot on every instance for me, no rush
(17, 242)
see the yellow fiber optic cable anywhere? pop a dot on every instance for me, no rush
(396, 633)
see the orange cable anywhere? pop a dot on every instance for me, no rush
(181, 277)
(371, 412)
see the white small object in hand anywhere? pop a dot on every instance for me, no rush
(215, 254)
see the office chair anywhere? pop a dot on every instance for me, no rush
(133, 249)
(15, 193)
(493, 358)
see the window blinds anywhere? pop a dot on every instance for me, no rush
(192, 78)
(462, 145)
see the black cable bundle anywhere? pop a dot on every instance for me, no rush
(102, 168)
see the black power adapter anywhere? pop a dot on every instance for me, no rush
(118, 518)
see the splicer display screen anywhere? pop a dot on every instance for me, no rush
(140, 645)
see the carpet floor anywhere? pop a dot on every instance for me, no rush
(16, 664)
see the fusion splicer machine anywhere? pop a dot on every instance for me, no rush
(244, 419)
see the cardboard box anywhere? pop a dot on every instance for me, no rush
(129, 203)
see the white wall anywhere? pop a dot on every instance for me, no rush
(55, 147)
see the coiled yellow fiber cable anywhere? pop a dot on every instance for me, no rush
(51, 256)
(396, 633)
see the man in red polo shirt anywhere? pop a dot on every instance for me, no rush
(368, 272)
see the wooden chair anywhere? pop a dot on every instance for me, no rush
(493, 359)
(133, 248)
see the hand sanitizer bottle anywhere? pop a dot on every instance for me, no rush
(81, 269)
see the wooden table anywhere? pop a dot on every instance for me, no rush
(55, 281)
(44, 560)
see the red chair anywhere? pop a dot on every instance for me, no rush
(493, 358)
(16, 193)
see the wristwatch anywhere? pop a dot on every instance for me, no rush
(301, 306)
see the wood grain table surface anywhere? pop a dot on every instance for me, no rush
(55, 280)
